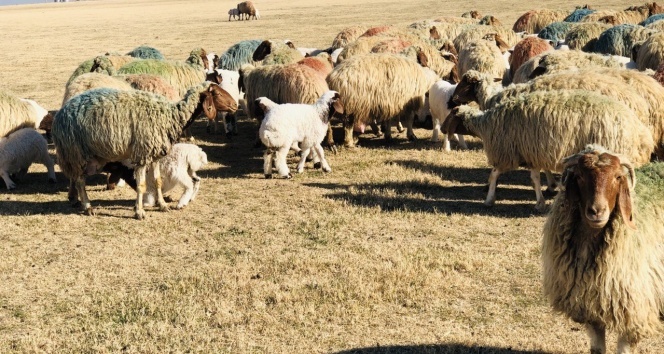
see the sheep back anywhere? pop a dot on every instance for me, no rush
(483, 56)
(578, 14)
(526, 49)
(652, 19)
(180, 75)
(584, 35)
(348, 35)
(152, 83)
(535, 20)
(238, 54)
(479, 31)
(560, 60)
(145, 52)
(90, 81)
(618, 40)
(556, 31)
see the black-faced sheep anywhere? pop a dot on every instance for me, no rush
(105, 125)
(538, 129)
(287, 124)
(19, 150)
(603, 248)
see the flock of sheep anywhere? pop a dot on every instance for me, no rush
(577, 92)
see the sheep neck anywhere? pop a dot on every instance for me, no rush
(486, 91)
(190, 107)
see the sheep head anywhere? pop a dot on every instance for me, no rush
(215, 99)
(47, 122)
(609, 19)
(453, 124)
(654, 9)
(600, 182)
(434, 33)
(448, 47)
(264, 49)
(214, 77)
(490, 20)
(198, 57)
(334, 104)
(467, 88)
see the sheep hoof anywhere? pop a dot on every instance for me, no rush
(268, 176)
(489, 203)
(90, 211)
(52, 181)
(164, 207)
(180, 206)
(140, 214)
(317, 165)
(550, 193)
(208, 129)
(110, 186)
(412, 138)
(334, 149)
(75, 204)
(289, 176)
(541, 207)
(327, 169)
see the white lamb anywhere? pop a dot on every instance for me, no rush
(19, 150)
(234, 12)
(229, 81)
(178, 168)
(437, 103)
(287, 124)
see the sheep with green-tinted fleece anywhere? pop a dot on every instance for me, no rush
(538, 129)
(631, 15)
(181, 74)
(602, 248)
(271, 52)
(380, 87)
(106, 125)
(115, 62)
(238, 54)
(619, 40)
(146, 52)
(584, 35)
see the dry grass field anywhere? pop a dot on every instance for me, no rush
(392, 252)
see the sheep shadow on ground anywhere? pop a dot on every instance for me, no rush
(470, 175)
(415, 196)
(436, 349)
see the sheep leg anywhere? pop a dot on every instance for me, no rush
(267, 162)
(446, 142)
(188, 194)
(493, 180)
(597, 334)
(436, 131)
(375, 128)
(409, 127)
(156, 174)
(280, 160)
(625, 345)
(400, 128)
(551, 183)
(85, 202)
(349, 141)
(330, 139)
(387, 131)
(462, 142)
(535, 178)
(197, 185)
(321, 154)
(139, 174)
(303, 158)
(8, 181)
(72, 193)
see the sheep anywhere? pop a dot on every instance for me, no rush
(144, 82)
(380, 87)
(619, 40)
(602, 254)
(538, 129)
(238, 54)
(271, 52)
(229, 81)
(479, 31)
(556, 61)
(472, 14)
(584, 35)
(659, 74)
(116, 61)
(178, 168)
(234, 12)
(650, 54)
(578, 14)
(526, 49)
(347, 36)
(16, 113)
(437, 103)
(247, 8)
(457, 20)
(19, 150)
(145, 52)
(483, 56)
(657, 25)
(448, 31)
(287, 124)
(535, 20)
(105, 125)
(631, 15)
(556, 31)
(181, 75)
(490, 20)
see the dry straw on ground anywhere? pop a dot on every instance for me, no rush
(392, 252)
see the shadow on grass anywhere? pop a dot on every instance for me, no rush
(437, 349)
(63, 207)
(423, 197)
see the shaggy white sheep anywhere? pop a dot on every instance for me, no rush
(603, 248)
(178, 168)
(19, 150)
(286, 124)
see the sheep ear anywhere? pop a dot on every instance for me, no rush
(422, 58)
(290, 45)
(625, 203)
(572, 191)
(338, 106)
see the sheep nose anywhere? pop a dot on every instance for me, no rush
(595, 211)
